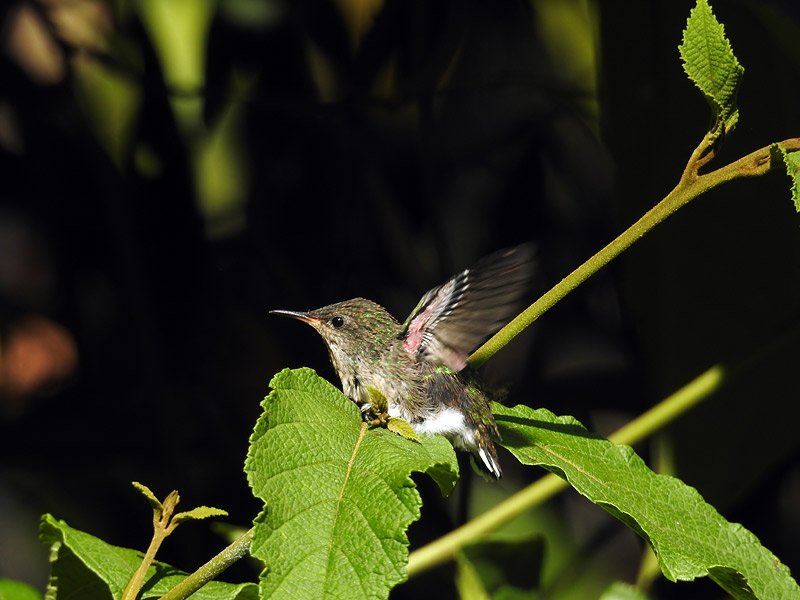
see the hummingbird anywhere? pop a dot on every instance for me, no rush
(420, 365)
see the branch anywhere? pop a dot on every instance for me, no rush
(689, 187)
(238, 549)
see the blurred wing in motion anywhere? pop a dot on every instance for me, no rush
(453, 319)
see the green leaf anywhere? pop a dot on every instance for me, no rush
(110, 99)
(468, 581)
(507, 569)
(338, 496)
(201, 512)
(86, 567)
(379, 402)
(710, 63)
(623, 591)
(688, 535)
(16, 590)
(147, 493)
(404, 428)
(791, 161)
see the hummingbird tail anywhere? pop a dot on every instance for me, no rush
(485, 459)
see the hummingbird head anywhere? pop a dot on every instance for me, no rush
(354, 330)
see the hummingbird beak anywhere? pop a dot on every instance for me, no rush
(304, 317)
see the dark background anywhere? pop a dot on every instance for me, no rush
(376, 156)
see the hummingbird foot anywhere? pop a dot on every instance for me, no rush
(379, 420)
(395, 425)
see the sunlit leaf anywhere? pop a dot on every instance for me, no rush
(710, 63)
(86, 567)
(791, 161)
(401, 427)
(690, 538)
(201, 512)
(338, 496)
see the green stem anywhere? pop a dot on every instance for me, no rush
(137, 580)
(162, 527)
(444, 549)
(689, 187)
(675, 405)
(238, 549)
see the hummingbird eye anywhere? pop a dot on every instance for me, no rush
(337, 321)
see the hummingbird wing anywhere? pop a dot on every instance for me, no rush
(453, 319)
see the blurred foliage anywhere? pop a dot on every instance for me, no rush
(170, 170)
